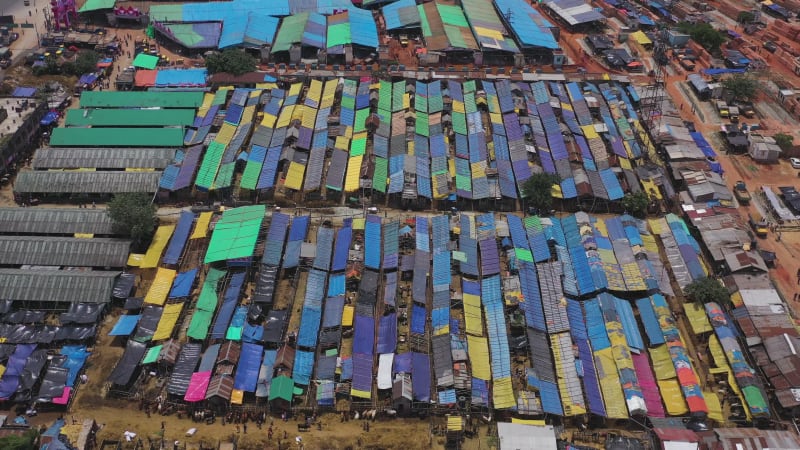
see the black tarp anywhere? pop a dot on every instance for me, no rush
(148, 323)
(82, 313)
(47, 334)
(5, 306)
(274, 326)
(123, 287)
(122, 373)
(5, 351)
(24, 316)
(368, 289)
(33, 369)
(326, 368)
(330, 338)
(76, 333)
(132, 303)
(21, 334)
(254, 312)
(265, 285)
(55, 380)
(184, 368)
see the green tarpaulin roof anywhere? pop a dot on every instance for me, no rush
(117, 137)
(145, 61)
(94, 5)
(129, 117)
(290, 32)
(201, 320)
(208, 295)
(281, 387)
(235, 234)
(152, 354)
(135, 99)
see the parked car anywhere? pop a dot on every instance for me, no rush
(760, 228)
(770, 46)
(795, 162)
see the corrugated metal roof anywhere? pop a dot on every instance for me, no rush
(103, 158)
(54, 221)
(86, 182)
(61, 251)
(57, 285)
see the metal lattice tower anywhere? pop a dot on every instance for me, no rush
(654, 92)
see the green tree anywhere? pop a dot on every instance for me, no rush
(636, 203)
(745, 17)
(784, 141)
(742, 87)
(704, 34)
(706, 290)
(537, 190)
(86, 62)
(233, 61)
(134, 215)
(25, 441)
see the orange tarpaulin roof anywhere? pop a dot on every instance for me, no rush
(145, 78)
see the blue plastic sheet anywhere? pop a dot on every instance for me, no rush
(309, 327)
(252, 333)
(532, 297)
(347, 369)
(440, 318)
(342, 249)
(595, 325)
(247, 370)
(333, 312)
(299, 228)
(441, 269)
(76, 358)
(228, 306)
(125, 325)
(418, 319)
(303, 367)
(362, 372)
(336, 285)
(276, 237)
(480, 392)
(629, 325)
(402, 363)
(387, 334)
(179, 238)
(181, 77)
(372, 235)
(182, 286)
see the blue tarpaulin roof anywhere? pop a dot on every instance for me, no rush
(182, 286)
(336, 285)
(402, 363)
(387, 334)
(629, 325)
(248, 367)
(276, 236)
(228, 306)
(181, 77)
(76, 357)
(362, 372)
(303, 366)
(703, 144)
(650, 321)
(333, 312)
(418, 319)
(179, 238)
(125, 325)
(722, 71)
(372, 235)
(530, 27)
(248, 30)
(342, 249)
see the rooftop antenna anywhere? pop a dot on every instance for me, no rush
(509, 15)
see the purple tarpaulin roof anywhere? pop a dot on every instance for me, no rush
(387, 334)
(188, 167)
(402, 363)
(421, 376)
(364, 335)
(362, 372)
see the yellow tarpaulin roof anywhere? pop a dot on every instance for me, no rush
(285, 117)
(358, 224)
(714, 406)
(353, 174)
(455, 423)
(672, 396)
(266, 85)
(236, 397)
(697, 317)
(662, 363)
(167, 323)
(157, 294)
(610, 385)
(84, 235)
(295, 89)
(538, 423)
(2, 370)
(478, 349)
(225, 134)
(201, 226)
(157, 246)
(641, 38)
(135, 259)
(503, 393)
(294, 177)
(347, 315)
(360, 394)
(473, 316)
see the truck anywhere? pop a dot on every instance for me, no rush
(722, 108)
(741, 193)
(760, 227)
(733, 113)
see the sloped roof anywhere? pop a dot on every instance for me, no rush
(86, 182)
(103, 158)
(54, 221)
(63, 251)
(445, 27)
(487, 26)
(57, 285)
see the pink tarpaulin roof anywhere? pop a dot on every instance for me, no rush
(197, 387)
(652, 398)
(64, 399)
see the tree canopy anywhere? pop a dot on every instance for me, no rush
(741, 86)
(704, 34)
(233, 61)
(133, 214)
(25, 441)
(784, 141)
(706, 290)
(636, 203)
(537, 190)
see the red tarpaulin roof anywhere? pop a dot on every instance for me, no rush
(145, 78)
